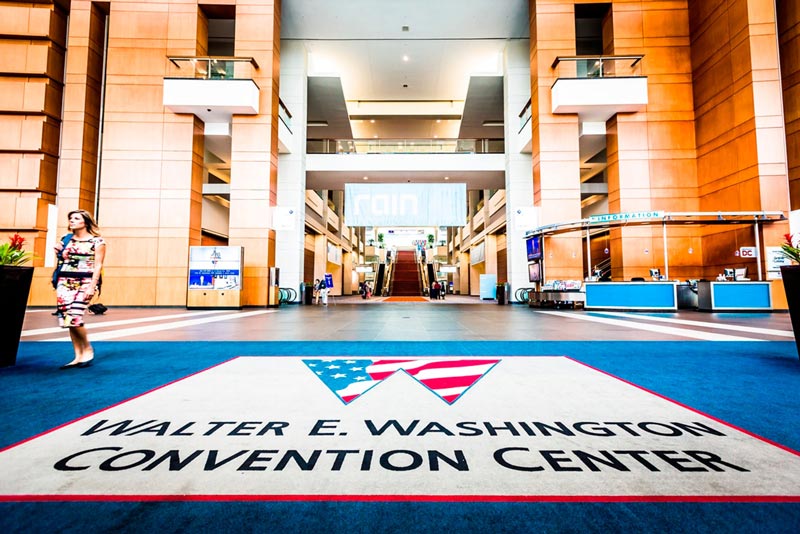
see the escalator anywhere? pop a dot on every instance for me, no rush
(405, 277)
(379, 279)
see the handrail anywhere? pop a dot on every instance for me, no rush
(283, 110)
(387, 279)
(175, 59)
(558, 59)
(405, 146)
(525, 115)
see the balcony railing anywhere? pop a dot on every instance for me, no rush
(285, 115)
(405, 146)
(524, 116)
(597, 66)
(214, 68)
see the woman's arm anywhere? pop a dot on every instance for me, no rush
(99, 256)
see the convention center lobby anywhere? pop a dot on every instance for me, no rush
(501, 266)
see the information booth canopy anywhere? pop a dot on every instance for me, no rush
(600, 223)
(662, 294)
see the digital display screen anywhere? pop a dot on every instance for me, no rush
(535, 272)
(534, 247)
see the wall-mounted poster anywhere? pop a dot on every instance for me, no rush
(215, 267)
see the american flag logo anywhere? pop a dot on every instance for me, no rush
(448, 378)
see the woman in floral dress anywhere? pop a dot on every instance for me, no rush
(77, 282)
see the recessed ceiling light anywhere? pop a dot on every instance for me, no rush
(366, 177)
(375, 136)
(446, 177)
(372, 121)
(438, 121)
(436, 137)
(405, 57)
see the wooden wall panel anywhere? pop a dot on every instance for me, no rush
(789, 30)
(741, 133)
(254, 147)
(32, 63)
(555, 152)
(652, 153)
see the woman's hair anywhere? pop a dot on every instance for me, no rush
(91, 225)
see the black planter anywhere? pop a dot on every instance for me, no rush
(791, 285)
(15, 286)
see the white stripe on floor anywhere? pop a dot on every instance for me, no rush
(106, 324)
(708, 336)
(704, 324)
(127, 332)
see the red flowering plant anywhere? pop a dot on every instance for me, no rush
(791, 247)
(12, 253)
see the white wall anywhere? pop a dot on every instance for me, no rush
(289, 243)
(518, 166)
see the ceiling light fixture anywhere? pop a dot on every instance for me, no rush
(446, 177)
(311, 124)
(372, 121)
(405, 57)
(493, 123)
(366, 177)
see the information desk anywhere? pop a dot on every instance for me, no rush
(661, 296)
(734, 296)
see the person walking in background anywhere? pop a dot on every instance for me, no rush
(316, 291)
(83, 257)
(323, 292)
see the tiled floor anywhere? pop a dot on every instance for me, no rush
(456, 318)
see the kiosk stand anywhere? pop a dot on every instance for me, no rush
(215, 277)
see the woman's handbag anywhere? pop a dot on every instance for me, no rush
(57, 271)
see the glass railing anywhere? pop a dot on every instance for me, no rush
(525, 115)
(597, 66)
(285, 115)
(214, 68)
(405, 146)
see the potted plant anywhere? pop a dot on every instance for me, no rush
(430, 240)
(15, 286)
(791, 282)
(380, 240)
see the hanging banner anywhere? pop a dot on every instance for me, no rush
(405, 204)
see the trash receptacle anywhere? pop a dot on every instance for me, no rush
(308, 294)
(500, 292)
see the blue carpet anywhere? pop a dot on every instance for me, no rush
(751, 385)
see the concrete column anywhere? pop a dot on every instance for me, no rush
(289, 243)
(519, 173)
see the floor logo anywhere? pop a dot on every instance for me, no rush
(543, 428)
(449, 378)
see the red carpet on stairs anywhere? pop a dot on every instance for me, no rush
(405, 279)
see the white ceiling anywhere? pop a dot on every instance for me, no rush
(362, 42)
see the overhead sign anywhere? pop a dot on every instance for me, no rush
(629, 216)
(405, 204)
(458, 428)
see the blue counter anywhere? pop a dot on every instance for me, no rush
(631, 296)
(734, 296)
